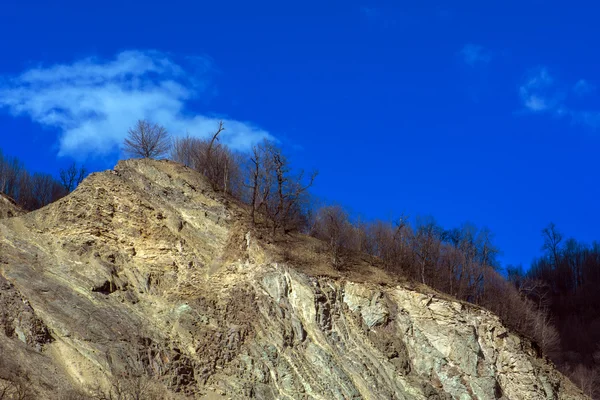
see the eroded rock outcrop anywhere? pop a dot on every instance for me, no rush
(146, 267)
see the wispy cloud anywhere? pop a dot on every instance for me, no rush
(92, 102)
(473, 54)
(541, 93)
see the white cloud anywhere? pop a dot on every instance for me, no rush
(473, 54)
(583, 87)
(534, 102)
(93, 102)
(537, 92)
(541, 93)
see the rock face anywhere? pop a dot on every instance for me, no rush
(146, 267)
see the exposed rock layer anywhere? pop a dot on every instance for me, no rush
(146, 266)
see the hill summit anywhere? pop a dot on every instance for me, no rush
(146, 280)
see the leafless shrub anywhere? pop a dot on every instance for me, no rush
(519, 313)
(183, 150)
(543, 330)
(212, 159)
(588, 380)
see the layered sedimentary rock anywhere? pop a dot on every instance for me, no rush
(146, 267)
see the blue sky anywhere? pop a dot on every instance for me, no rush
(486, 112)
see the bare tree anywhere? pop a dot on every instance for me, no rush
(332, 225)
(71, 177)
(253, 184)
(45, 189)
(147, 140)
(390, 243)
(552, 239)
(29, 191)
(208, 156)
(275, 190)
(426, 245)
(38, 190)
(288, 188)
(219, 164)
(10, 170)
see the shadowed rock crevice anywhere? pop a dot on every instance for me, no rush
(107, 288)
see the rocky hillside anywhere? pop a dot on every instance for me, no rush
(8, 208)
(145, 273)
